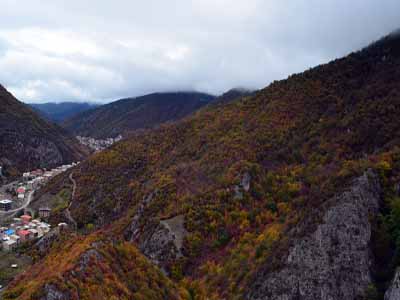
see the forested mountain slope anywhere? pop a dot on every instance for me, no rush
(28, 142)
(130, 114)
(290, 193)
(232, 94)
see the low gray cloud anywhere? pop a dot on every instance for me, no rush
(101, 50)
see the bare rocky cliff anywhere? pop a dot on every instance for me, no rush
(160, 241)
(332, 263)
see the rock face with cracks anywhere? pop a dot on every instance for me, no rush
(333, 262)
(165, 242)
(393, 292)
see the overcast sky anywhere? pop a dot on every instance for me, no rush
(100, 50)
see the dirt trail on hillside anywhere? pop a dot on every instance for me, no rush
(67, 211)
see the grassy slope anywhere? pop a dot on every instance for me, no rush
(301, 140)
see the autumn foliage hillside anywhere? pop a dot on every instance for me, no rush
(243, 174)
(94, 268)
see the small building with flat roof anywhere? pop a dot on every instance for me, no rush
(44, 228)
(44, 212)
(25, 235)
(26, 219)
(21, 190)
(15, 238)
(34, 233)
(5, 204)
(62, 227)
(9, 245)
(9, 232)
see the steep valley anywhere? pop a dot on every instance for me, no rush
(128, 115)
(291, 192)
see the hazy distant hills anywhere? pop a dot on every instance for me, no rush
(58, 112)
(28, 141)
(130, 114)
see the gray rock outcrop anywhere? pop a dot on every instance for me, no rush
(160, 241)
(133, 230)
(51, 292)
(244, 186)
(393, 292)
(245, 182)
(333, 262)
(164, 244)
(44, 244)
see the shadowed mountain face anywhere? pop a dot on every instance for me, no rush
(126, 115)
(28, 141)
(289, 193)
(59, 112)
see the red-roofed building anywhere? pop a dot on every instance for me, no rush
(25, 235)
(21, 190)
(26, 219)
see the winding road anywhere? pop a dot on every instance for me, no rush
(27, 201)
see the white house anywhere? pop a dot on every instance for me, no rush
(15, 238)
(34, 233)
(9, 245)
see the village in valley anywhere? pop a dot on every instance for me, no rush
(22, 222)
(19, 222)
(97, 145)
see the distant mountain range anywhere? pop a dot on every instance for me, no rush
(130, 114)
(28, 141)
(126, 115)
(59, 112)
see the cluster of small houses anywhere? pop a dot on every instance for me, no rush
(22, 230)
(98, 145)
(25, 228)
(40, 177)
(32, 181)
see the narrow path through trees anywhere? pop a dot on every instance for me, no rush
(67, 211)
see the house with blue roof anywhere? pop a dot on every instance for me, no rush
(9, 232)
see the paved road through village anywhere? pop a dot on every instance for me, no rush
(27, 201)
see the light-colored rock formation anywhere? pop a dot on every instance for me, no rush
(51, 292)
(393, 292)
(165, 242)
(333, 262)
(133, 231)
